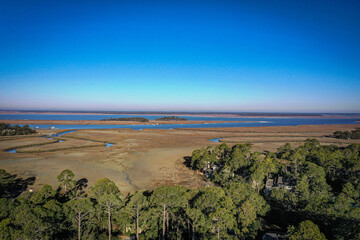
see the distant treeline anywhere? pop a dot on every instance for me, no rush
(8, 130)
(172, 118)
(134, 119)
(355, 134)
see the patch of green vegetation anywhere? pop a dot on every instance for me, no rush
(134, 119)
(172, 118)
(354, 134)
(310, 182)
(8, 130)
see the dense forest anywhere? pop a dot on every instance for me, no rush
(354, 134)
(134, 119)
(172, 118)
(8, 130)
(310, 182)
(301, 193)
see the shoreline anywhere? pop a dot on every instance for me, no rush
(98, 122)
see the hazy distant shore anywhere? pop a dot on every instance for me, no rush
(98, 122)
(194, 114)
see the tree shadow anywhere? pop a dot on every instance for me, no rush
(81, 184)
(12, 187)
(187, 161)
(78, 189)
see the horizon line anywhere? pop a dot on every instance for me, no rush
(170, 111)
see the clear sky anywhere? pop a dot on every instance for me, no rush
(283, 56)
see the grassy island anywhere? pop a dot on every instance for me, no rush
(172, 118)
(8, 130)
(134, 119)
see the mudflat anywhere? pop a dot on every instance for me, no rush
(142, 159)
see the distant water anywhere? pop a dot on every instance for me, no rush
(260, 122)
(92, 117)
(109, 144)
(215, 139)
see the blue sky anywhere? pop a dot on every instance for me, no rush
(283, 56)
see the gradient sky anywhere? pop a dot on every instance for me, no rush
(292, 56)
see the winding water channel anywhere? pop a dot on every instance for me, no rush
(50, 137)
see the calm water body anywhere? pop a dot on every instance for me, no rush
(215, 139)
(261, 122)
(109, 144)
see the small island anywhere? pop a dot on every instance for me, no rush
(8, 130)
(172, 118)
(133, 119)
